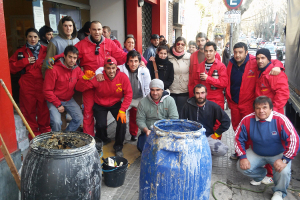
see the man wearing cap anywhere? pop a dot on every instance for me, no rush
(199, 109)
(157, 105)
(139, 78)
(151, 50)
(107, 97)
(274, 87)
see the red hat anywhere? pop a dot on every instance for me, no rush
(110, 60)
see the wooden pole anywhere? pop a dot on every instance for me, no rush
(17, 108)
(10, 163)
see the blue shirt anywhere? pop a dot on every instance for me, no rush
(236, 78)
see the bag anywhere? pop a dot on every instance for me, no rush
(141, 141)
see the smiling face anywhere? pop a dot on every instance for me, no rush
(155, 42)
(210, 54)
(129, 44)
(156, 93)
(96, 31)
(133, 63)
(32, 38)
(262, 111)
(110, 70)
(180, 46)
(68, 28)
(163, 54)
(192, 48)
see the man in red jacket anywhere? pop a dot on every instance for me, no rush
(107, 96)
(274, 87)
(198, 57)
(92, 53)
(204, 72)
(59, 87)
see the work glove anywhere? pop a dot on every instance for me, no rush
(122, 116)
(88, 75)
(50, 62)
(215, 136)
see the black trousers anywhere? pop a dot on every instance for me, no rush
(100, 114)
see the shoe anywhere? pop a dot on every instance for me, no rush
(133, 138)
(234, 157)
(267, 180)
(119, 153)
(277, 196)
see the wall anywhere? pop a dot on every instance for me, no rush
(109, 13)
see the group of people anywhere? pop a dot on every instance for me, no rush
(163, 83)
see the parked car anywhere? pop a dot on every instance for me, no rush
(253, 46)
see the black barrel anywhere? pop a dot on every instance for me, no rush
(61, 166)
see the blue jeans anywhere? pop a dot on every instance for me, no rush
(74, 111)
(258, 172)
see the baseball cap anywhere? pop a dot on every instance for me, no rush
(154, 36)
(110, 60)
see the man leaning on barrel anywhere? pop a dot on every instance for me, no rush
(199, 109)
(157, 105)
(274, 141)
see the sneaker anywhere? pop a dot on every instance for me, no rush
(267, 180)
(234, 157)
(119, 153)
(133, 138)
(277, 196)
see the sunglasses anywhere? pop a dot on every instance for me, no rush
(180, 44)
(97, 50)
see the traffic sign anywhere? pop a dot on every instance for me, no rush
(232, 16)
(233, 4)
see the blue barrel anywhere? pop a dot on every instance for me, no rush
(176, 162)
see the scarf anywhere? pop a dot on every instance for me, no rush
(126, 51)
(160, 61)
(35, 49)
(176, 54)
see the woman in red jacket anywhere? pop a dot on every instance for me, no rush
(29, 59)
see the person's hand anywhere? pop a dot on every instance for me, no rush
(61, 109)
(31, 60)
(245, 164)
(279, 165)
(275, 71)
(215, 136)
(148, 132)
(50, 62)
(122, 116)
(100, 77)
(142, 64)
(203, 76)
(152, 59)
(88, 75)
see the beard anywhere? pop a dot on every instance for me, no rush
(200, 100)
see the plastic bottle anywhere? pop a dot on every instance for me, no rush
(215, 75)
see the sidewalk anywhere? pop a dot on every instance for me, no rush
(223, 169)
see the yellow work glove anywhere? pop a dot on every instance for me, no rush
(50, 62)
(122, 116)
(215, 136)
(88, 74)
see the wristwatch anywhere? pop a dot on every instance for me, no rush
(284, 161)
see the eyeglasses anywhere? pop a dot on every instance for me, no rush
(97, 50)
(181, 44)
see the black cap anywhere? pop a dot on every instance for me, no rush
(265, 52)
(154, 36)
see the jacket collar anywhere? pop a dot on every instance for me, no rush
(233, 61)
(164, 96)
(269, 119)
(61, 64)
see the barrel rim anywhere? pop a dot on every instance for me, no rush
(61, 152)
(198, 132)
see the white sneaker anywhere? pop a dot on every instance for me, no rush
(277, 196)
(267, 180)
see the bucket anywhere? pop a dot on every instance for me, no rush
(176, 162)
(114, 176)
(61, 166)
